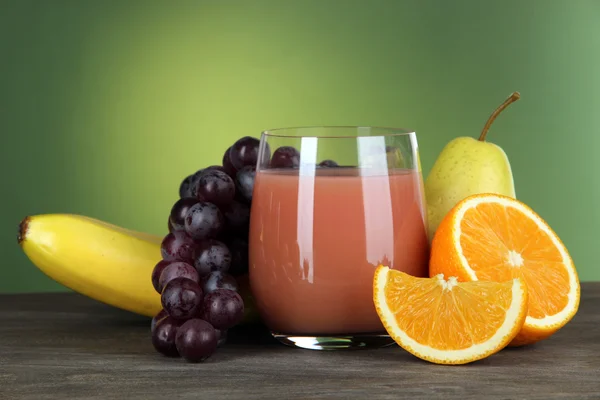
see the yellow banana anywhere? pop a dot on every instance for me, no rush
(103, 261)
(97, 259)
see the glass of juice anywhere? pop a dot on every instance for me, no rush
(329, 205)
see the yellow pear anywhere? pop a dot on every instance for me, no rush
(467, 166)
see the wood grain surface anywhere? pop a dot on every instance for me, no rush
(65, 346)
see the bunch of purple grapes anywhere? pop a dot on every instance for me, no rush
(204, 252)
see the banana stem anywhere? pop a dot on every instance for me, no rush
(513, 97)
(23, 228)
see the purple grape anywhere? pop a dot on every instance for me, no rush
(237, 218)
(158, 318)
(223, 308)
(182, 298)
(184, 187)
(218, 280)
(178, 246)
(215, 168)
(285, 157)
(158, 269)
(211, 255)
(179, 211)
(196, 340)
(164, 337)
(227, 166)
(221, 337)
(244, 152)
(244, 182)
(171, 229)
(177, 269)
(215, 187)
(196, 176)
(328, 164)
(193, 183)
(204, 220)
(239, 256)
(239, 198)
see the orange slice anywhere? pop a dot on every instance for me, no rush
(487, 237)
(446, 321)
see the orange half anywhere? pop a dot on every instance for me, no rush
(488, 237)
(447, 321)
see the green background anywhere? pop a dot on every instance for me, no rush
(106, 105)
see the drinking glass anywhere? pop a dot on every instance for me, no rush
(329, 205)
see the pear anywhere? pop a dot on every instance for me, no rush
(468, 166)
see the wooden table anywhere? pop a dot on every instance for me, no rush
(65, 346)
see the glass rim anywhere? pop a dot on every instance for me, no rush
(388, 131)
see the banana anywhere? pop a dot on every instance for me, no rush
(103, 261)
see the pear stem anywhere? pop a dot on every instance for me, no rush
(513, 97)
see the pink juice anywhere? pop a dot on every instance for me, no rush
(315, 242)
